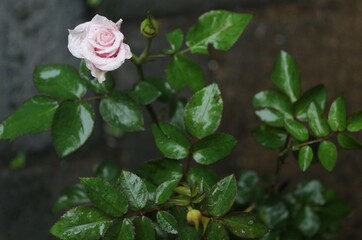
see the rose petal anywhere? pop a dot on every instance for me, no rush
(75, 39)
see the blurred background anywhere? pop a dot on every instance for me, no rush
(324, 36)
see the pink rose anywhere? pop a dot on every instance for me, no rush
(100, 43)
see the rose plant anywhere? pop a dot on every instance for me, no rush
(178, 196)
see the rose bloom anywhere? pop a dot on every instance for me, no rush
(100, 43)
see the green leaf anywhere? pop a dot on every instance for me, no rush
(354, 123)
(269, 137)
(246, 183)
(272, 212)
(308, 222)
(317, 123)
(72, 126)
(105, 196)
(165, 190)
(213, 148)
(144, 93)
(188, 233)
(162, 170)
(59, 81)
(348, 142)
(203, 111)
(182, 71)
(175, 38)
(176, 114)
(121, 231)
(296, 129)
(222, 196)
(327, 154)
(144, 229)
(34, 116)
(337, 118)
(121, 111)
(81, 223)
(18, 162)
(109, 171)
(162, 86)
(336, 209)
(167, 222)
(216, 231)
(134, 188)
(273, 99)
(311, 192)
(171, 141)
(220, 28)
(201, 173)
(317, 94)
(71, 196)
(285, 75)
(305, 157)
(270, 117)
(245, 225)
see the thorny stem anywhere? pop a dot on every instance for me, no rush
(279, 161)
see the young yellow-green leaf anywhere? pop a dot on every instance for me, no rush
(59, 81)
(317, 94)
(105, 196)
(171, 141)
(162, 86)
(182, 71)
(317, 123)
(216, 231)
(81, 223)
(308, 222)
(346, 141)
(220, 28)
(34, 116)
(269, 137)
(92, 83)
(167, 222)
(71, 196)
(198, 174)
(270, 116)
(337, 118)
(222, 196)
(213, 148)
(144, 93)
(134, 188)
(121, 231)
(144, 228)
(165, 190)
(285, 76)
(175, 39)
(305, 157)
(327, 154)
(354, 123)
(108, 171)
(203, 111)
(296, 129)
(72, 125)
(121, 111)
(245, 225)
(273, 99)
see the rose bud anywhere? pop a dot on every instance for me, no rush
(149, 27)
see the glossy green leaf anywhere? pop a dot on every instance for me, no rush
(134, 188)
(59, 81)
(161, 170)
(245, 225)
(34, 116)
(305, 157)
(247, 181)
(270, 116)
(105, 196)
(213, 148)
(167, 222)
(273, 99)
(144, 229)
(222, 196)
(327, 154)
(81, 223)
(72, 126)
(70, 197)
(311, 192)
(348, 142)
(272, 212)
(203, 111)
(285, 75)
(144, 93)
(121, 231)
(308, 222)
(336, 209)
(162, 86)
(296, 129)
(182, 71)
(109, 171)
(165, 190)
(216, 231)
(175, 38)
(188, 233)
(199, 173)
(317, 94)
(171, 141)
(273, 235)
(317, 123)
(121, 111)
(269, 137)
(176, 114)
(220, 28)
(354, 123)
(337, 118)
